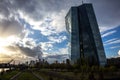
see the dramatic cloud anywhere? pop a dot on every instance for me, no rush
(26, 26)
(29, 47)
(10, 27)
(25, 49)
(35, 11)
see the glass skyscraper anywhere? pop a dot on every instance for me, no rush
(85, 39)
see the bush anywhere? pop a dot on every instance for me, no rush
(95, 69)
(112, 68)
(85, 68)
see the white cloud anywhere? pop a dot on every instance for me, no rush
(14, 47)
(108, 33)
(45, 28)
(2, 17)
(46, 45)
(114, 47)
(26, 32)
(110, 40)
(114, 42)
(63, 50)
(106, 28)
(59, 55)
(57, 39)
(55, 25)
(28, 19)
(119, 52)
(59, 21)
(28, 42)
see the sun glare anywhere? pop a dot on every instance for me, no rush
(8, 41)
(5, 42)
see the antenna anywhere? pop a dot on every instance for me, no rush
(82, 1)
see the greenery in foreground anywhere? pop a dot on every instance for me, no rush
(8, 75)
(47, 77)
(27, 75)
(65, 71)
(84, 73)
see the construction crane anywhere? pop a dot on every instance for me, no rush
(6, 64)
(10, 61)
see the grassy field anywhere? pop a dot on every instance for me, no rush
(27, 76)
(106, 75)
(60, 75)
(47, 77)
(8, 75)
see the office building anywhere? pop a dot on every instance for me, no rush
(85, 38)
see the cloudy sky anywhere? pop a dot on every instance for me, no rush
(32, 28)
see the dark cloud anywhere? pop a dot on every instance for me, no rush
(37, 9)
(27, 48)
(9, 24)
(57, 56)
(10, 27)
(107, 12)
(32, 52)
(28, 7)
(12, 48)
(4, 8)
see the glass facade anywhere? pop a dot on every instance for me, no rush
(73, 30)
(85, 39)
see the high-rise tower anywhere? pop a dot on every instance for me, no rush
(85, 39)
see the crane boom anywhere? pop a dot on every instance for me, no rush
(10, 61)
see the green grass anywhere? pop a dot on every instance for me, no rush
(8, 75)
(27, 76)
(47, 77)
(76, 75)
